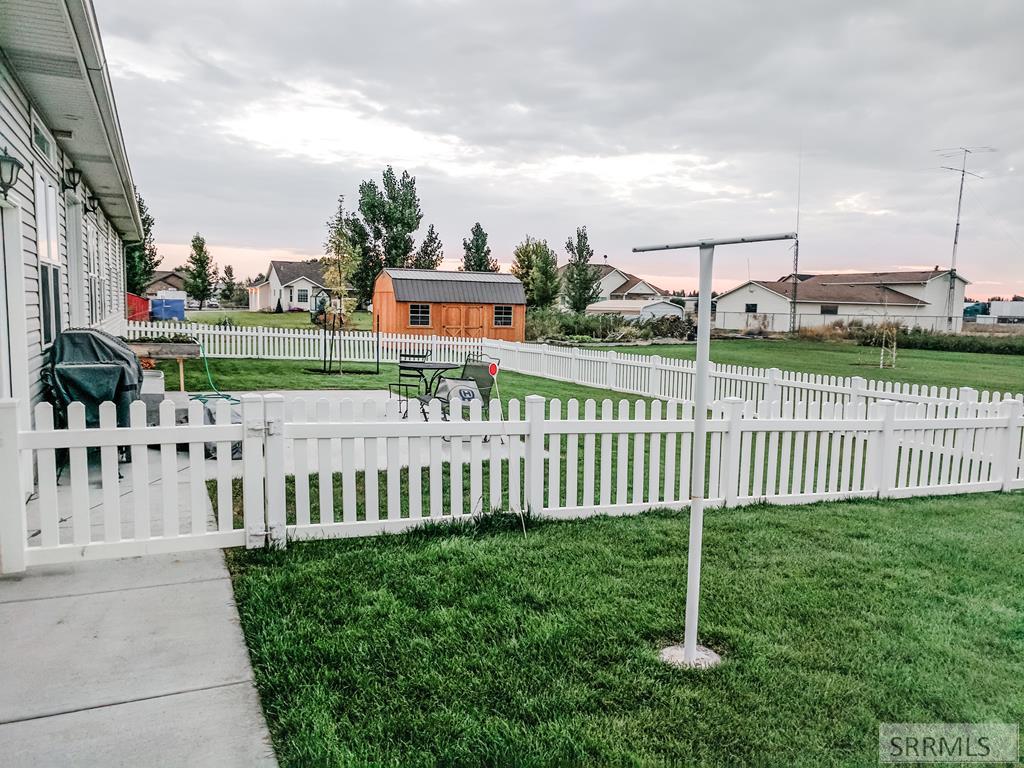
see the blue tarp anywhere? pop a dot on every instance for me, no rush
(167, 309)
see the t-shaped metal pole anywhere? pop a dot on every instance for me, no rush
(700, 427)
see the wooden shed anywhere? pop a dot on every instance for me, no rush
(462, 304)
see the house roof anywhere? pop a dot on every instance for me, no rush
(814, 292)
(163, 274)
(290, 271)
(914, 277)
(430, 285)
(625, 306)
(630, 281)
(54, 49)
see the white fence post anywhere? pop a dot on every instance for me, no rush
(772, 390)
(13, 527)
(858, 390)
(535, 454)
(574, 364)
(253, 466)
(731, 470)
(274, 452)
(888, 450)
(654, 379)
(968, 395)
(1010, 456)
(610, 371)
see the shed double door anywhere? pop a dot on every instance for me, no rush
(462, 320)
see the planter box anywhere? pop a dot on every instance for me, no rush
(164, 350)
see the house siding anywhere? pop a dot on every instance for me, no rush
(15, 134)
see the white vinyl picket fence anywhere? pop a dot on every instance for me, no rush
(338, 469)
(628, 373)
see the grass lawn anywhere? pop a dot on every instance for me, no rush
(1004, 373)
(485, 646)
(239, 375)
(360, 321)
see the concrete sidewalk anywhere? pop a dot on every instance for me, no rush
(132, 662)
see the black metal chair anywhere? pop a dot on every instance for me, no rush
(409, 379)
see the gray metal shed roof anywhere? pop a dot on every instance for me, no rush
(430, 285)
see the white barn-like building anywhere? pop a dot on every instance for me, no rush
(67, 218)
(917, 299)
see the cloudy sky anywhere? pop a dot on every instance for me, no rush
(646, 121)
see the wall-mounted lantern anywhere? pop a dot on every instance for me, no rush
(72, 178)
(92, 204)
(10, 167)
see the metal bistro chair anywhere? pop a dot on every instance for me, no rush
(408, 379)
(475, 383)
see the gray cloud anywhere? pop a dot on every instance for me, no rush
(644, 121)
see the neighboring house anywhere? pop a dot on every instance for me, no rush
(619, 284)
(464, 304)
(916, 299)
(166, 280)
(66, 219)
(637, 309)
(298, 284)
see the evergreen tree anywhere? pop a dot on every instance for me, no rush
(430, 253)
(477, 254)
(545, 283)
(231, 285)
(582, 279)
(522, 265)
(200, 272)
(141, 259)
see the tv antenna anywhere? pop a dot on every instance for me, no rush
(962, 153)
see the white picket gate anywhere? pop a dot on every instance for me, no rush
(338, 471)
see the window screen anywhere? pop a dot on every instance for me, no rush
(502, 315)
(419, 315)
(751, 308)
(830, 309)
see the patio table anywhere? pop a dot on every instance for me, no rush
(429, 370)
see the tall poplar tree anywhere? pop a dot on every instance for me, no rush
(477, 254)
(582, 280)
(200, 271)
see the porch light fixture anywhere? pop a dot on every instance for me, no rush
(10, 167)
(91, 204)
(72, 178)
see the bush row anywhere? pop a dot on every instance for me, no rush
(555, 325)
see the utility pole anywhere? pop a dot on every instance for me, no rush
(794, 278)
(964, 173)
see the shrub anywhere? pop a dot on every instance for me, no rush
(946, 342)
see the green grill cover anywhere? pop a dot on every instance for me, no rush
(90, 366)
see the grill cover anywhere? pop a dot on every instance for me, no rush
(91, 366)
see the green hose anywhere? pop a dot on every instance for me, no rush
(216, 394)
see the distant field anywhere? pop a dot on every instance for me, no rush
(1004, 373)
(360, 321)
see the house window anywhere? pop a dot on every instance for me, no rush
(49, 259)
(502, 315)
(303, 295)
(291, 295)
(830, 309)
(750, 308)
(419, 315)
(43, 142)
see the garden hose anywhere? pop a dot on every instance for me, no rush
(216, 394)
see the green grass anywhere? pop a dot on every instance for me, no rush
(1004, 373)
(485, 646)
(360, 321)
(243, 375)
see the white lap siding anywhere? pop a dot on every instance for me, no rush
(15, 135)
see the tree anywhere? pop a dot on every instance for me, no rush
(545, 283)
(141, 258)
(522, 265)
(477, 254)
(430, 253)
(381, 234)
(200, 272)
(231, 285)
(582, 280)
